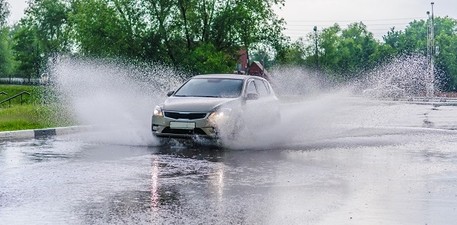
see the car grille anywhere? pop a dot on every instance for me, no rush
(189, 116)
(196, 131)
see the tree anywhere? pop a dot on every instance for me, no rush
(43, 33)
(6, 62)
(264, 55)
(28, 51)
(228, 26)
(49, 18)
(175, 32)
(328, 43)
(206, 60)
(291, 54)
(247, 23)
(392, 39)
(414, 41)
(198, 35)
(344, 53)
(446, 54)
(5, 56)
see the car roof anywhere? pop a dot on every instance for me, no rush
(226, 76)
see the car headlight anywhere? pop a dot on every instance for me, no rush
(158, 111)
(219, 116)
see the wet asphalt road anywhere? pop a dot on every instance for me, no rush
(377, 175)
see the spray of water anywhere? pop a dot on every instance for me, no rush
(118, 98)
(403, 77)
(114, 97)
(314, 109)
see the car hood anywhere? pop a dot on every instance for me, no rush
(195, 104)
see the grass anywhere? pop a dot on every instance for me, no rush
(36, 93)
(32, 113)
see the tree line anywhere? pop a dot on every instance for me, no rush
(345, 53)
(205, 36)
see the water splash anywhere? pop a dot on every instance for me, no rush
(118, 98)
(314, 108)
(403, 77)
(115, 97)
(293, 81)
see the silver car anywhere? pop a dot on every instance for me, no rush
(211, 106)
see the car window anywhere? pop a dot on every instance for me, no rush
(211, 87)
(251, 89)
(268, 86)
(261, 88)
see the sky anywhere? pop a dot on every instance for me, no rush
(302, 15)
(379, 15)
(17, 8)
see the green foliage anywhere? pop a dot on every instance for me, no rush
(205, 59)
(28, 51)
(5, 52)
(43, 33)
(49, 20)
(6, 60)
(346, 53)
(341, 53)
(109, 28)
(177, 32)
(446, 55)
(414, 40)
(291, 54)
(263, 55)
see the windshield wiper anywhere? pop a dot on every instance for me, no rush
(199, 96)
(208, 96)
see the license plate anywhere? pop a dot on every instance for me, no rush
(182, 125)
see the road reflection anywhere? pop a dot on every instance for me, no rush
(174, 187)
(155, 185)
(177, 184)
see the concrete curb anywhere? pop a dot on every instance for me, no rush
(39, 133)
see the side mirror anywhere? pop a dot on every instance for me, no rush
(170, 93)
(252, 96)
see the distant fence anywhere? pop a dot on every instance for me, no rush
(15, 80)
(447, 94)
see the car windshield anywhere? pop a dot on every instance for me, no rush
(211, 87)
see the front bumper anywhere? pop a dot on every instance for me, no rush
(203, 128)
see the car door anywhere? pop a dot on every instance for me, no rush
(268, 103)
(256, 104)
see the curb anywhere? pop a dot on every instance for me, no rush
(39, 133)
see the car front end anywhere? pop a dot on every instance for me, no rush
(181, 124)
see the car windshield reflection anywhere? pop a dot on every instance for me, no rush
(211, 88)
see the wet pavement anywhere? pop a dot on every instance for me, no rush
(397, 172)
